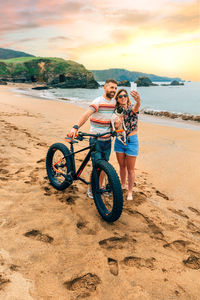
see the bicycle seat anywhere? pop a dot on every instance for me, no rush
(70, 140)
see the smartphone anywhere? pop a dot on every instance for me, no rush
(133, 86)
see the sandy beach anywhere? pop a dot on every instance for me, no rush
(54, 245)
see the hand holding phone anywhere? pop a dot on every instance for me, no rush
(133, 86)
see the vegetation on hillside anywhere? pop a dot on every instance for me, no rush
(52, 71)
(8, 53)
(123, 74)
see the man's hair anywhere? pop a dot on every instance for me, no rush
(110, 80)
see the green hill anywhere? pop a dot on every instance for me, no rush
(123, 74)
(55, 72)
(8, 53)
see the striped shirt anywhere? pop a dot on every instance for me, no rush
(100, 120)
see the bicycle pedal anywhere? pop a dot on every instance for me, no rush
(68, 178)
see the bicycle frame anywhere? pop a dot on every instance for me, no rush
(76, 174)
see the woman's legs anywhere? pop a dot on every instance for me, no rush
(130, 163)
(121, 158)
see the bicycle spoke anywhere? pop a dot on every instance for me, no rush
(59, 166)
(106, 191)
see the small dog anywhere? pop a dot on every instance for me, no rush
(121, 136)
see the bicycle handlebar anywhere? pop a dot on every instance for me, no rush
(80, 136)
(96, 135)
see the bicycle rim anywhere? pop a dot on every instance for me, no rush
(58, 166)
(107, 191)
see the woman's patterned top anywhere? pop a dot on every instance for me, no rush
(130, 120)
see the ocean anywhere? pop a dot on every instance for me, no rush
(178, 99)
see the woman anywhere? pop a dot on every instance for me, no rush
(126, 154)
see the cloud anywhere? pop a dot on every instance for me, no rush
(184, 19)
(59, 38)
(29, 14)
(129, 17)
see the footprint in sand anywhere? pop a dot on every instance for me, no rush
(113, 265)
(179, 212)
(192, 262)
(42, 160)
(177, 245)
(37, 235)
(84, 285)
(4, 162)
(42, 144)
(14, 268)
(139, 198)
(3, 281)
(155, 231)
(138, 262)
(84, 228)
(33, 177)
(194, 229)
(117, 242)
(194, 210)
(4, 172)
(20, 170)
(162, 195)
(4, 175)
(71, 197)
(193, 252)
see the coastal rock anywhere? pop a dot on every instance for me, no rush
(144, 81)
(74, 82)
(124, 83)
(196, 118)
(3, 82)
(51, 72)
(175, 82)
(186, 117)
(40, 88)
(171, 115)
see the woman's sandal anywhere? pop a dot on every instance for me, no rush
(129, 197)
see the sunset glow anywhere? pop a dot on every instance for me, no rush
(159, 37)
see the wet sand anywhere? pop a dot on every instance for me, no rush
(54, 245)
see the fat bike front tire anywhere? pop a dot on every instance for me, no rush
(107, 191)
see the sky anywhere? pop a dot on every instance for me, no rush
(152, 36)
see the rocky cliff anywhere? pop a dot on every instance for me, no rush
(52, 72)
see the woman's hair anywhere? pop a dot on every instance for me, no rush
(117, 95)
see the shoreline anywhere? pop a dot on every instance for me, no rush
(150, 116)
(55, 244)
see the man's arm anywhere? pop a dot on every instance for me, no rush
(82, 121)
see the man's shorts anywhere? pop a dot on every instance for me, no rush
(103, 150)
(130, 149)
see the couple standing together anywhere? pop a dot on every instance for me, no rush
(100, 113)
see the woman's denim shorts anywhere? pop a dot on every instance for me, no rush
(130, 149)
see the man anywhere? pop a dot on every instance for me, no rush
(100, 112)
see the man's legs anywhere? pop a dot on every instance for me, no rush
(103, 150)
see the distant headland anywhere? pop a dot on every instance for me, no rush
(50, 72)
(123, 74)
